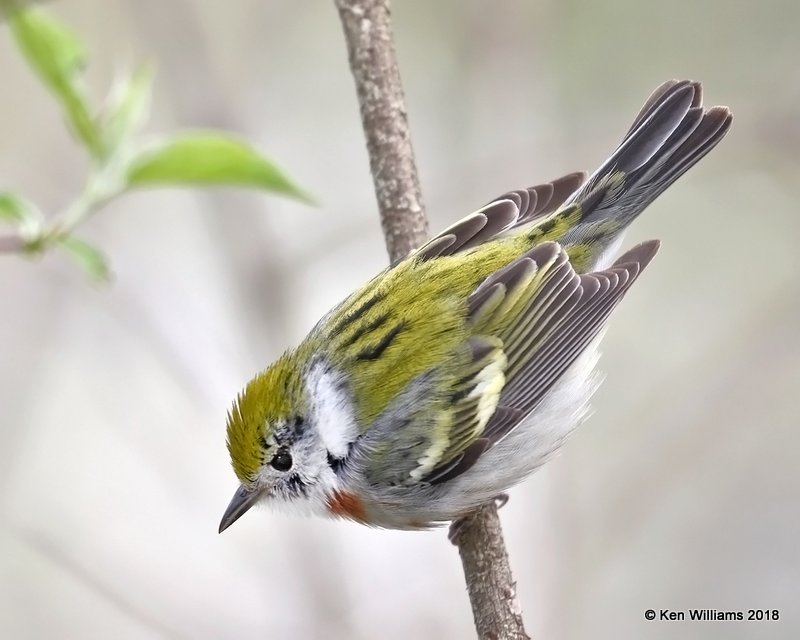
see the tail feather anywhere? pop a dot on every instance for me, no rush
(656, 98)
(647, 139)
(669, 135)
(711, 129)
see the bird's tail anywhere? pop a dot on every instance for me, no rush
(670, 134)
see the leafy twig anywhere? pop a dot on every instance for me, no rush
(119, 160)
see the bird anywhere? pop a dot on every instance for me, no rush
(459, 370)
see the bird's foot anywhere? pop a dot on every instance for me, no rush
(457, 525)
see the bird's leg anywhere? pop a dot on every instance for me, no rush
(457, 525)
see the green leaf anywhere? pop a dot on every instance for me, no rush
(58, 57)
(88, 257)
(14, 207)
(210, 159)
(127, 108)
(22, 212)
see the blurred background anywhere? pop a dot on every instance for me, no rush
(681, 492)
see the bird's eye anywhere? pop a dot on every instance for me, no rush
(281, 461)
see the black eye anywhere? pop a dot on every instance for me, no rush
(281, 461)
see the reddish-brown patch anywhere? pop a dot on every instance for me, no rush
(347, 505)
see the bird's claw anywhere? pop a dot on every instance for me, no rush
(456, 529)
(457, 525)
(501, 500)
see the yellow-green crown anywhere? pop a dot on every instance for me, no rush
(272, 395)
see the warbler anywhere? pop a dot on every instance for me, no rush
(457, 371)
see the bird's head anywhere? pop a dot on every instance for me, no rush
(274, 449)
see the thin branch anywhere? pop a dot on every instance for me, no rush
(11, 244)
(491, 586)
(367, 29)
(368, 32)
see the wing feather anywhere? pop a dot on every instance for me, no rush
(554, 315)
(472, 230)
(511, 210)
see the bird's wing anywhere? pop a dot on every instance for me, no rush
(544, 314)
(528, 322)
(512, 209)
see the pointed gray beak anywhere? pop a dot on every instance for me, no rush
(243, 499)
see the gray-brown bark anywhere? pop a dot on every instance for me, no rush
(492, 590)
(367, 29)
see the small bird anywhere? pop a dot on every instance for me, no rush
(457, 371)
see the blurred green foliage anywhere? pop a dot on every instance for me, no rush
(120, 159)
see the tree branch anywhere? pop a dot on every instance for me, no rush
(491, 587)
(367, 30)
(11, 244)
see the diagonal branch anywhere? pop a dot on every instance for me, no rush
(11, 244)
(367, 30)
(491, 586)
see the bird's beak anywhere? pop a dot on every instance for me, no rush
(243, 499)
